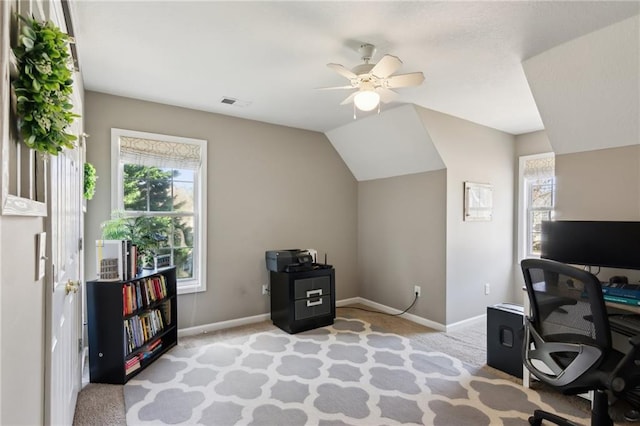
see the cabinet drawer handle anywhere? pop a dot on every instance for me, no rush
(316, 303)
(312, 293)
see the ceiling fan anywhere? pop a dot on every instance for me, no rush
(374, 81)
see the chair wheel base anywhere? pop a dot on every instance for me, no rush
(539, 416)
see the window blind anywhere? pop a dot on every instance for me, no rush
(539, 168)
(153, 153)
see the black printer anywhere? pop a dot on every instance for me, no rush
(289, 260)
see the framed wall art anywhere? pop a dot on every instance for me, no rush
(478, 201)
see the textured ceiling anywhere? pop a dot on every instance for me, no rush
(273, 54)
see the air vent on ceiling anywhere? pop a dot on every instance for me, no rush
(235, 102)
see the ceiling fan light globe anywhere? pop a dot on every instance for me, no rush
(366, 100)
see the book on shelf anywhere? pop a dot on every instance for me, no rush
(140, 329)
(621, 299)
(129, 370)
(629, 290)
(133, 263)
(166, 313)
(151, 349)
(131, 365)
(151, 352)
(142, 293)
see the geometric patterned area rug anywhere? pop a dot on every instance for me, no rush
(349, 373)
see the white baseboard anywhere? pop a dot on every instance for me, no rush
(386, 309)
(351, 301)
(459, 324)
(206, 328)
(215, 326)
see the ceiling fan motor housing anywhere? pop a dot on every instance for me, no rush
(367, 51)
(362, 69)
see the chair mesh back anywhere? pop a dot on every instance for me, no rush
(567, 304)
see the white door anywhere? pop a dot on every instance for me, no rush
(63, 372)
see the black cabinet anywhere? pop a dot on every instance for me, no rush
(130, 323)
(504, 337)
(303, 300)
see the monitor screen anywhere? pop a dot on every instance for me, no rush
(593, 243)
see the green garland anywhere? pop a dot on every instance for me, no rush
(43, 87)
(90, 178)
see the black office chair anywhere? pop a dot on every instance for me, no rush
(567, 342)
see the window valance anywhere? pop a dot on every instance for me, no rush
(539, 168)
(162, 154)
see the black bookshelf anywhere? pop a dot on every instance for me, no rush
(110, 321)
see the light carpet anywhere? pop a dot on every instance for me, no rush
(351, 373)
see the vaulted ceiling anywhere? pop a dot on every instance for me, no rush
(272, 55)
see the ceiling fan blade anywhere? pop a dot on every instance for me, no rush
(335, 88)
(386, 66)
(405, 80)
(386, 95)
(349, 99)
(342, 71)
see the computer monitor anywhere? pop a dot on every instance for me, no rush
(593, 243)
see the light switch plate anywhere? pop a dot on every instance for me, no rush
(41, 254)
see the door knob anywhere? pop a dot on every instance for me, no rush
(72, 286)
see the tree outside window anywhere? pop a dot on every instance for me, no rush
(165, 199)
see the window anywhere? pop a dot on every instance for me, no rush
(537, 186)
(160, 181)
(540, 201)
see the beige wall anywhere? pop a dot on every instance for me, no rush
(477, 252)
(599, 185)
(592, 185)
(22, 323)
(530, 144)
(402, 241)
(269, 187)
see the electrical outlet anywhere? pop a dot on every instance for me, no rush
(265, 289)
(487, 288)
(416, 290)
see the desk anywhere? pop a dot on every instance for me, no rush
(622, 330)
(623, 307)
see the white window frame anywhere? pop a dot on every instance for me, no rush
(524, 226)
(199, 281)
(529, 230)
